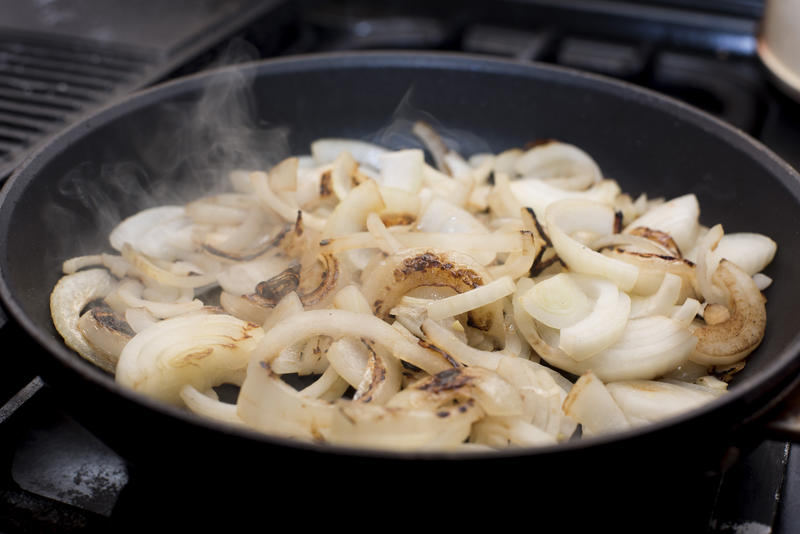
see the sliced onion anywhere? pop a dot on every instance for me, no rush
(538, 195)
(678, 218)
(440, 216)
(342, 323)
(590, 403)
(471, 299)
(750, 251)
(396, 275)
(152, 229)
(274, 202)
(502, 432)
(662, 301)
(493, 394)
(208, 407)
(383, 427)
(327, 150)
(557, 301)
(203, 350)
(603, 326)
(463, 353)
(106, 333)
(568, 216)
(402, 169)
(162, 276)
(69, 297)
(647, 401)
(543, 392)
(730, 341)
(560, 164)
(270, 405)
(130, 292)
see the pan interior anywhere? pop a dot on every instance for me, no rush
(174, 143)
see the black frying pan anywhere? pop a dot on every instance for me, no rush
(63, 201)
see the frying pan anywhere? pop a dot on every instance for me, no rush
(63, 201)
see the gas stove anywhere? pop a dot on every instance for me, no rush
(62, 60)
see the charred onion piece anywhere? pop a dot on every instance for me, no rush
(274, 289)
(398, 274)
(106, 333)
(70, 295)
(728, 342)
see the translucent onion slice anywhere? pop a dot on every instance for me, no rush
(603, 326)
(349, 357)
(383, 427)
(647, 401)
(269, 199)
(590, 403)
(750, 251)
(203, 350)
(396, 275)
(463, 353)
(270, 405)
(163, 276)
(538, 195)
(69, 297)
(649, 347)
(208, 407)
(130, 292)
(568, 216)
(678, 217)
(662, 301)
(342, 323)
(328, 149)
(154, 226)
(350, 215)
(560, 164)
(557, 301)
(493, 394)
(472, 299)
(502, 432)
(382, 379)
(543, 392)
(402, 169)
(440, 216)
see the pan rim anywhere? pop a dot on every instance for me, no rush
(767, 379)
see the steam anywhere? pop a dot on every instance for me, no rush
(398, 134)
(187, 147)
(186, 150)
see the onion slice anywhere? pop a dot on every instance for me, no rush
(202, 350)
(568, 216)
(69, 296)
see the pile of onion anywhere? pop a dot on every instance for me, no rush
(365, 297)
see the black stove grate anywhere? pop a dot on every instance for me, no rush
(46, 84)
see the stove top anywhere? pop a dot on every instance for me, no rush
(60, 60)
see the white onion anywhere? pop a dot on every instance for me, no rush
(568, 216)
(557, 301)
(646, 401)
(603, 326)
(69, 296)
(677, 217)
(402, 169)
(750, 251)
(590, 403)
(472, 299)
(202, 350)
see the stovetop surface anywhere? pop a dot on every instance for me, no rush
(56, 477)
